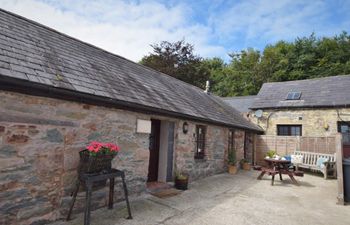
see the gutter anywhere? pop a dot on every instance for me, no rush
(37, 89)
(303, 107)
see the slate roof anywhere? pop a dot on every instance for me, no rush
(35, 54)
(240, 103)
(321, 92)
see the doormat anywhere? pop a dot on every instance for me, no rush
(166, 193)
(155, 186)
(162, 189)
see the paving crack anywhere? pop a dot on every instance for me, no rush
(163, 204)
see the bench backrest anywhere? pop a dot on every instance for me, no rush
(310, 158)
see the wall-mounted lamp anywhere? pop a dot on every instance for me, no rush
(326, 126)
(185, 127)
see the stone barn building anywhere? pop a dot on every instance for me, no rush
(302, 115)
(57, 94)
(314, 107)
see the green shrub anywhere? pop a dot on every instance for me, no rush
(231, 158)
(181, 175)
(271, 153)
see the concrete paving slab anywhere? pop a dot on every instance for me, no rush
(234, 199)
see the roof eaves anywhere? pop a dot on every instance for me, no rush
(27, 87)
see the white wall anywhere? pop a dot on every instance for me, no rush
(163, 151)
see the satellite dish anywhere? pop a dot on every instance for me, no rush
(258, 113)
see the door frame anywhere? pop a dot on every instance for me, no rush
(154, 145)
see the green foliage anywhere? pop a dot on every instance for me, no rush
(271, 153)
(181, 175)
(231, 158)
(177, 59)
(304, 58)
(243, 161)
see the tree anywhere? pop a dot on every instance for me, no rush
(177, 59)
(304, 58)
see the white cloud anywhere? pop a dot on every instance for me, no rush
(259, 21)
(126, 29)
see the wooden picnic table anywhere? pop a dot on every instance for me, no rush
(276, 166)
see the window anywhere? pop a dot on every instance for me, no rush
(200, 135)
(231, 140)
(289, 130)
(343, 127)
(293, 95)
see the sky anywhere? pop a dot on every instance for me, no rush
(214, 27)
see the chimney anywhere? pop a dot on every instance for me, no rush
(207, 87)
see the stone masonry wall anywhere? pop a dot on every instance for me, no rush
(216, 147)
(249, 145)
(239, 145)
(215, 150)
(313, 121)
(39, 143)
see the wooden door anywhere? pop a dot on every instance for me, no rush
(154, 140)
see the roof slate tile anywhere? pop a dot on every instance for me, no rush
(321, 92)
(54, 59)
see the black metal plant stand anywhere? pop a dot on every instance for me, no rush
(89, 179)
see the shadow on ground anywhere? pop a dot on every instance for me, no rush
(234, 199)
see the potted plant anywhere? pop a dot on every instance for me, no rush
(232, 168)
(271, 154)
(181, 181)
(97, 157)
(245, 164)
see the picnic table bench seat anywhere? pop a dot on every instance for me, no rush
(269, 171)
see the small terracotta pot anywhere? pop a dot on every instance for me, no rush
(246, 166)
(232, 169)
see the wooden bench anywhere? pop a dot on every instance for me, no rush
(310, 162)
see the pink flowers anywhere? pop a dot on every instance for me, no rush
(112, 147)
(104, 148)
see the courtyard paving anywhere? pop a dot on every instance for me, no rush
(234, 199)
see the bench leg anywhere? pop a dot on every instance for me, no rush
(273, 179)
(280, 175)
(126, 196)
(325, 173)
(88, 204)
(73, 200)
(293, 179)
(261, 175)
(111, 193)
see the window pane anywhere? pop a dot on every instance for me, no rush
(200, 134)
(344, 128)
(289, 130)
(231, 141)
(296, 95)
(290, 96)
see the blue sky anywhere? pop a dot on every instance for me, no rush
(215, 27)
